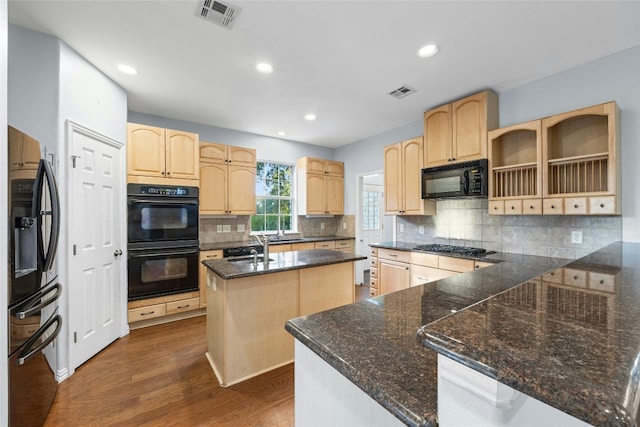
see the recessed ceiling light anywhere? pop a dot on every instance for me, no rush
(310, 117)
(127, 69)
(281, 133)
(264, 68)
(428, 50)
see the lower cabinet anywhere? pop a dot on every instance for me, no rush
(151, 311)
(202, 278)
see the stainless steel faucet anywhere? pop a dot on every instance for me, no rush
(265, 246)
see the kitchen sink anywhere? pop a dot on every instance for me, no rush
(246, 258)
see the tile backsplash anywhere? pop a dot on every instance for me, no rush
(466, 222)
(307, 227)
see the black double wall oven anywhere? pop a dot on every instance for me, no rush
(162, 240)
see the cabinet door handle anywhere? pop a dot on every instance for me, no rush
(146, 314)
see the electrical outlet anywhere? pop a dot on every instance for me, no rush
(421, 229)
(344, 225)
(240, 228)
(219, 229)
(402, 228)
(576, 237)
(226, 228)
(322, 226)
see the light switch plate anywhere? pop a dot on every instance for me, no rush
(226, 228)
(344, 225)
(421, 229)
(322, 226)
(401, 228)
(219, 229)
(240, 228)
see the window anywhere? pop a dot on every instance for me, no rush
(274, 198)
(370, 210)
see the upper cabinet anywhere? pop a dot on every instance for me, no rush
(581, 162)
(227, 180)
(515, 178)
(457, 132)
(157, 155)
(566, 164)
(402, 179)
(320, 187)
(24, 151)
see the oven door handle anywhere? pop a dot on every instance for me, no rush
(163, 202)
(154, 254)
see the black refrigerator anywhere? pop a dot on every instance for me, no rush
(33, 288)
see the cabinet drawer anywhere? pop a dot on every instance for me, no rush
(373, 272)
(427, 260)
(147, 312)
(373, 262)
(532, 207)
(344, 245)
(455, 264)
(575, 277)
(400, 256)
(421, 274)
(183, 305)
(214, 254)
(513, 207)
(552, 207)
(373, 251)
(373, 282)
(373, 292)
(602, 282)
(496, 207)
(305, 246)
(602, 205)
(554, 276)
(477, 265)
(326, 245)
(575, 206)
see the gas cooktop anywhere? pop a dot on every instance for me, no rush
(451, 249)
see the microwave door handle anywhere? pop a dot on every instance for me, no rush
(45, 174)
(465, 182)
(164, 202)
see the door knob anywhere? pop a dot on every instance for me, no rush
(117, 253)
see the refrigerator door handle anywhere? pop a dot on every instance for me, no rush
(30, 308)
(45, 174)
(27, 353)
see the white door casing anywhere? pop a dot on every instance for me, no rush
(97, 262)
(371, 182)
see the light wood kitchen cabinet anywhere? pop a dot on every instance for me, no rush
(281, 247)
(515, 178)
(402, 179)
(152, 311)
(581, 161)
(320, 187)
(457, 132)
(303, 246)
(227, 180)
(344, 245)
(394, 270)
(24, 151)
(373, 272)
(202, 278)
(157, 155)
(331, 244)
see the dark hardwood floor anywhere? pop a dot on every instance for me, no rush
(159, 376)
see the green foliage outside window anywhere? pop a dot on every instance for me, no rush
(274, 201)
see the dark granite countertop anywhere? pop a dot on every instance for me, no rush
(410, 247)
(373, 342)
(574, 345)
(209, 246)
(282, 261)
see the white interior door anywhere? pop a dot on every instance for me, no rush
(370, 219)
(96, 264)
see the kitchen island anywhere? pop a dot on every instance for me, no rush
(248, 305)
(364, 361)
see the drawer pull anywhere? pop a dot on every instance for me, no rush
(495, 208)
(602, 205)
(180, 307)
(393, 255)
(575, 206)
(553, 206)
(513, 207)
(575, 277)
(212, 256)
(531, 207)
(602, 282)
(148, 313)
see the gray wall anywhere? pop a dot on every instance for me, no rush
(615, 77)
(267, 148)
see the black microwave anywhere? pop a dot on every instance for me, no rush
(458, 180)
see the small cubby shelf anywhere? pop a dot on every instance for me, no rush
(568, 162)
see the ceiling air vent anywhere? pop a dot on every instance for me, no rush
(402, 91)
(223, 14)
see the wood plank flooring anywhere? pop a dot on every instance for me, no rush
(159, 376)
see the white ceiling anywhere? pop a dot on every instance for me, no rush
(337, 59)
